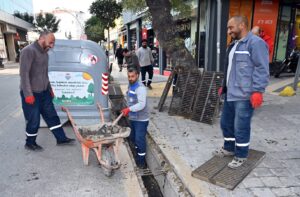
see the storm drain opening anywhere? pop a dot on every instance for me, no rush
(118, 102)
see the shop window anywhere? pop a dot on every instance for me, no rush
(283, 33)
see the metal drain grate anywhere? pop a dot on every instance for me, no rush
(178, 92)
(193, 79)
(217, 172)
(114, 91)
(207, 98)
(166, 91)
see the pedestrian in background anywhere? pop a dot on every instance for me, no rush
(138, 113)
(146, 61)
(246, 77)
(119, 56)
(131, 59)
(261, 33)
(36, 92)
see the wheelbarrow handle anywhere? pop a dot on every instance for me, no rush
(117, 120)
(101, 113)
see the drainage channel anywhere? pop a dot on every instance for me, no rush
(148, 178)
(159, 179)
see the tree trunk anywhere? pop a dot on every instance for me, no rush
(108, 40)
(165, 30)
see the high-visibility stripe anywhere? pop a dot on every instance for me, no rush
(229, 139)
(132, 92)
(242, 52)
(143, 81)
(30, 135)
(104, 92)
(105, 88)
(55, 127)
(242, 145)
(141, 154)
(149, 79)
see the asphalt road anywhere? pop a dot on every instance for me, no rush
(58, 170)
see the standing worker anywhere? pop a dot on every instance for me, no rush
(146, 61)
(138, 114)
(36, 92)
(131, 59)
(119, 56)
(246, 77)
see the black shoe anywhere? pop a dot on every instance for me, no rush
(34, 147)
(67, 141)
(149, 86)
(120, 70)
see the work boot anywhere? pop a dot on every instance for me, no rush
(237, 162)
(150, 87)
(221, 152)
(67, 141)
(34, 147)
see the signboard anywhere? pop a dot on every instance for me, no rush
(144, 34)
(72, 88)
(265, 16)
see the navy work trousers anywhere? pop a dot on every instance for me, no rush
(138, 138)
(42, 106)
(236, 126)
(144, 70)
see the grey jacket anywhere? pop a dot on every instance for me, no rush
(250, 68)
(132, 61)
(33, 69)
(137, 102)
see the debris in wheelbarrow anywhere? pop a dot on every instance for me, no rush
(103, 138)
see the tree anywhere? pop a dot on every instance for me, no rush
(163, 24)
(107, 11)
(94, 29)
(91, 89)
(24, 16)
(46, 22)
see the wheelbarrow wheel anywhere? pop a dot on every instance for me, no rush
(107, 172)
(108, 156)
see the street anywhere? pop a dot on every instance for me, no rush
(58, 170)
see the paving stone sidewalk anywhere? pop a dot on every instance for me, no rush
(275, 130)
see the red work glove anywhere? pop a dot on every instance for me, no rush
(30, 100)
(52, 93)
(125, 111)
(220, 90)
(256, 99)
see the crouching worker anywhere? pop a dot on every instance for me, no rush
(37, 94)
(138, 114)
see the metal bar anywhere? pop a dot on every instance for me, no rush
(297, 75)
(166, 91)
(204, 108)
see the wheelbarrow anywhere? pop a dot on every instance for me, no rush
(103, 138)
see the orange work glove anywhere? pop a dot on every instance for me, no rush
(256, 99)
(125, 111)
(220, 90)
(30, 100)
(52, 93)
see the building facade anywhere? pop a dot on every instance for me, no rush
(71, 24)
(205, 31)
(13, 30)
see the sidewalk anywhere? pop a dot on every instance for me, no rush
(275, 129)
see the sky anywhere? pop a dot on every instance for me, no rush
(49, 5)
